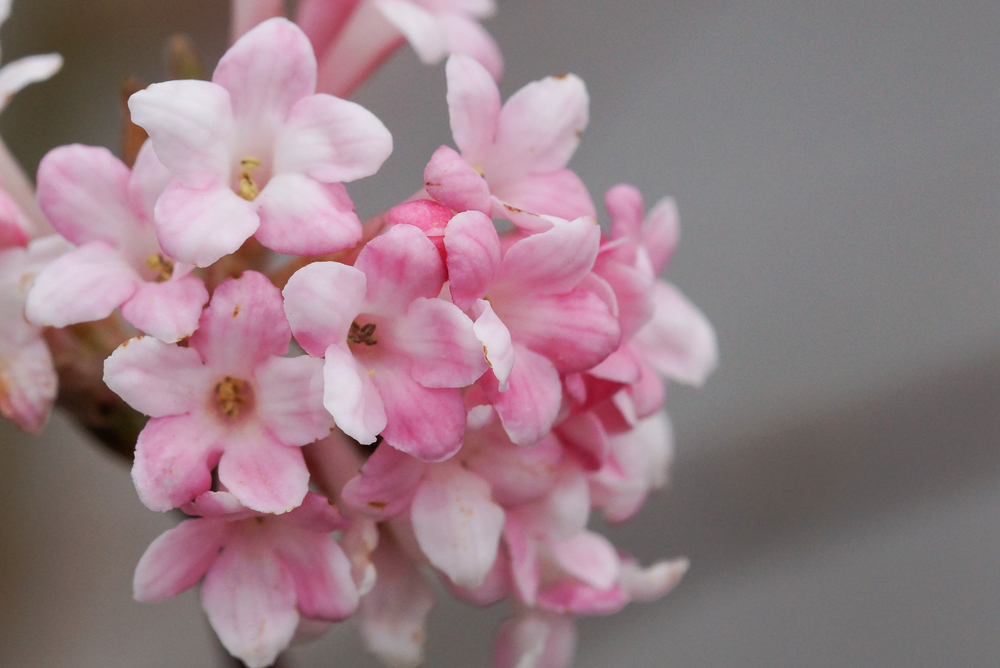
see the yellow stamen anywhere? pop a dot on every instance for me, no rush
(232, 394)
(162, 265)
(248, 187)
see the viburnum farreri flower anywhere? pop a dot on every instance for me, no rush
(257, 152)
(230, 398)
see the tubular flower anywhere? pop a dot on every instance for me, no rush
(257, 152)
(230, 398)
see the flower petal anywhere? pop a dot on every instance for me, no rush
(174, 457)
(660, 233)
(473, 107)
(441, 344)
(496, 341)
(156, 378)
(466, 36)
(457, 524)
(17, 74)
(201, 226)
(290, 399)
(301, 216)
(264, 474)
(590, 557)
(551, 262)
(679, 342)
(28, 380)
(385, 485)
(169, 310)
(178, 559)
(421, 28)
(473, 260)
(449, 179)
(400, 265)
(351, 396)
(324, 588)
(529, 406)
(322, 300)
(560, 193)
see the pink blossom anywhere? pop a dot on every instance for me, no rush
(513, 158)
(231, 399)
(263, 576)
(539, 311)
(28, 378)
(395, 353)
(96, 203)
(256, 152)
(535, 640)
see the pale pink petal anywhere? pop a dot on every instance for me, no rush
(660, 233)
(632, 287)
(148, 181)
(590, 557)
(563, 512)
(535, 640)
(585, 437)
(290, 399)
(573, 597)
(301, 216)
(452, 181)
(679, 342)
(427, 423)
(192, 128)
(366, 41)
(473, 107)
(463, 35)
(620, 366)
(539, 128)
(17, 74)
(495, 587)
(516, 474)
(248, 13)
(457, 524)
(401, 265)
(156, 378)
(321, 301)
(178, 559)
(86, 284)
(473, 256)
(218, 504)
(331, 140)
(169, 310)
(201, 226)
(249, 598)
(421, 28)
(266, 72)
(174, 457)
(649, 584)
(28, 382)
(324, 588)
(351, 396)
(391, 617)
(527, 221)
(317, 514)
(386, 484)
(529, 406)
(83, 191)
(575, 330)
(648, 394)
(264, 474)
(496, 341)
(551, 262)
(243, 325)
(441, 344)
(523, 559)
(560, 193)
(627, 208)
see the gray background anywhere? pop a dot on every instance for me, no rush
(837, 169)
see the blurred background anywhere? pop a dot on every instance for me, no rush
(837, 486)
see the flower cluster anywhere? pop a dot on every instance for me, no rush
(463, 398)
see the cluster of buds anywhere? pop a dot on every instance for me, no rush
(420, 395)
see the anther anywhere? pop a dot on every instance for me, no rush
(362, 334)
(248, 187)
(232, 394)
(162, 265)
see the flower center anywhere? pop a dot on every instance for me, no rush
(248, 187)
(232, 396)
(362, 334)
(162, 265)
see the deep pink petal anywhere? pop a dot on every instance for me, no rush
(441, 344)
(427, 423)
(174, 457)
(452, 181)
(463, 35)
(243, 325)
(264, 474)
(317, 514)
(201, 226)
(585, 437)
(497, 344)
(392, 616)
(178, 559)
(83, 191)
(529, 406)
(290, 399)
(301, 216)
(351, 396)
(425, 214)
(156, 378)
(679, 342)
(620, 366)
(473, 106)
(633, 292)
(170, 310)
(331, 140)
(249, 597)
(560, 193)
(516, 474)
(473, 257)
(385, 485)
(457, 525)
(551, 262)
(400, 265)
(589, 557)
(321, 301)
(321, 571)
(266, 72)
(192, 128)
(85, 284)
(322, 20)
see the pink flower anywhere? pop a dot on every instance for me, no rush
(95, 202)
(231, 399)
(28, 378)
(263, 575)
(539, 311)
(513, 159)
(395, 353)
(256, 152)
